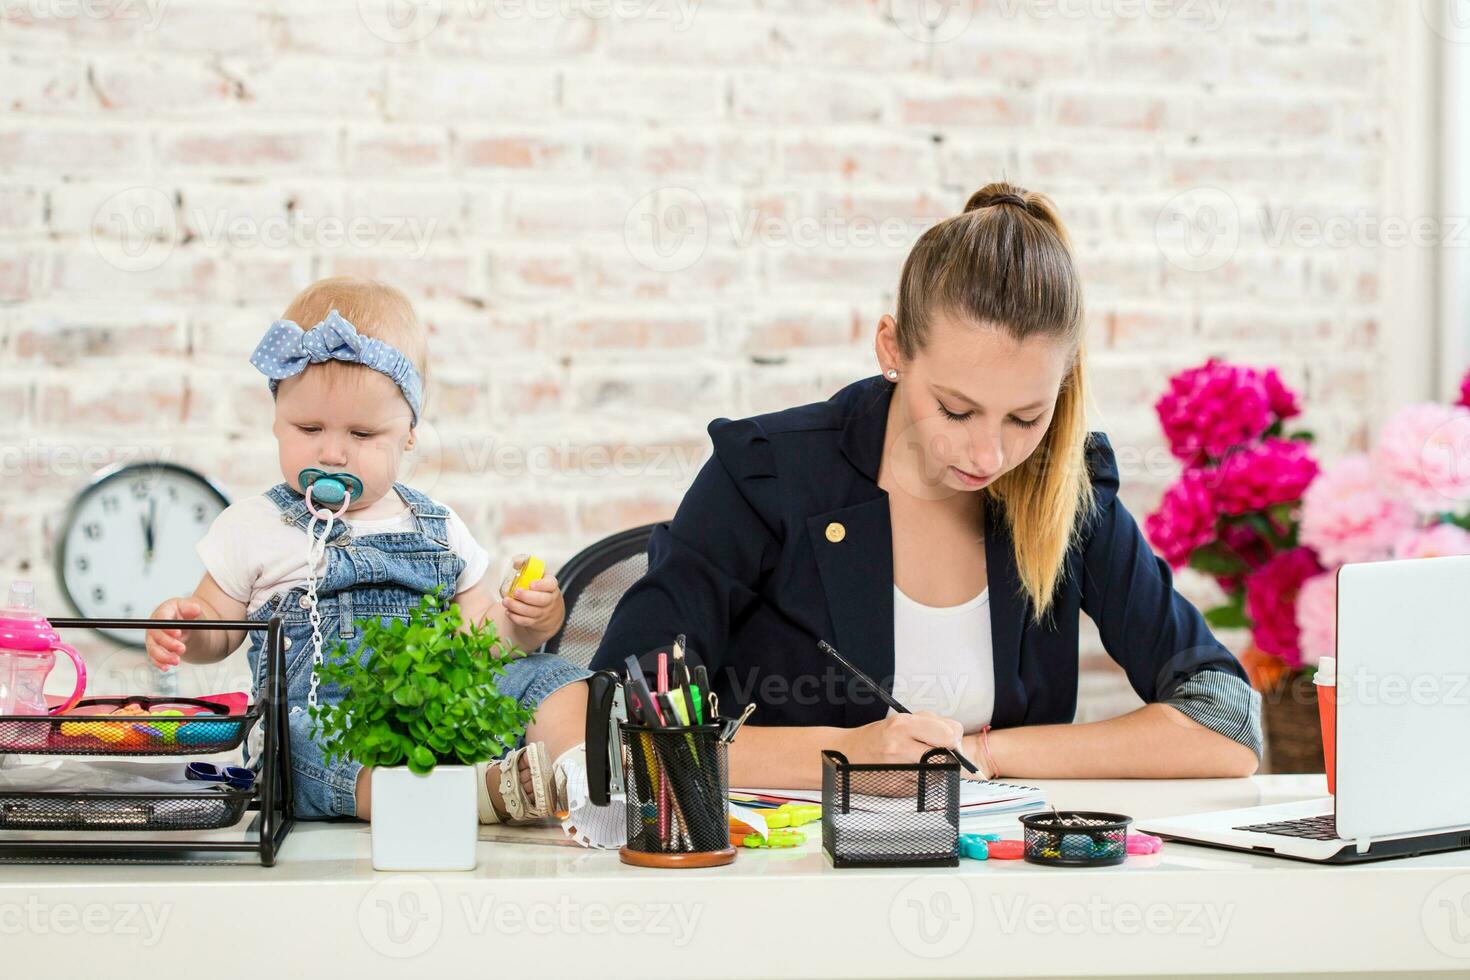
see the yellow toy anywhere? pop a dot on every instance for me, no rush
(533, 569)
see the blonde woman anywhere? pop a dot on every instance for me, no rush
(942, 525)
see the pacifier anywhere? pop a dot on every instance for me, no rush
(329, 488)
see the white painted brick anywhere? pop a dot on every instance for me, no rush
(418, 91)
(276, 86)
(163, 86)
(44, 83)
(662, 96)
(57, 151)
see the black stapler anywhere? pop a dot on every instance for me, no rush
(606, 709)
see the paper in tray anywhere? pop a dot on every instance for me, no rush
(110, 794)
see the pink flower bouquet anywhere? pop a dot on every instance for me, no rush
(1235, 509)
(1252, 509)
(1408, 498)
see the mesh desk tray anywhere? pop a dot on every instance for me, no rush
(891, 816)
(204, 810)
(84, 731)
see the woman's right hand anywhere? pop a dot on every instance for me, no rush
(166, 647)
(902, 738)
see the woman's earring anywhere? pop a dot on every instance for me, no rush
(892, 374)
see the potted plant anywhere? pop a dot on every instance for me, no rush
(420, 706)
(1234, 513)
(1255, 512)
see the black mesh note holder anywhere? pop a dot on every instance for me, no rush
(891, 816)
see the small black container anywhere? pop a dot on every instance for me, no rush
(891, 816)
(678, 794)
(1076, 838)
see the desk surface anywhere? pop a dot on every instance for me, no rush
(536, 900)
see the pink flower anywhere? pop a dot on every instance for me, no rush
(1347, 516)
(1464, 391)
(1283, 400)
(1270, 602)
(1250, 546)
(1276, 471)
(1423, 455)
(1185, 519)
(1316, 617)
(1438, 541)
(1212, 408)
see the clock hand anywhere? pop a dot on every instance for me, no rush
(148, 527)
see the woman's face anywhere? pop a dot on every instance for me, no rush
(974, 403)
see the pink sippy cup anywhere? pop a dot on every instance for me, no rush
(28, 648)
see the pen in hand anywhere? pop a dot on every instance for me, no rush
(883, 695)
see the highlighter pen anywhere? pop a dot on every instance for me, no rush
(701, 681)
(681, 677)
(883, 695)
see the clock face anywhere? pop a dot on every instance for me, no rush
(128, 543)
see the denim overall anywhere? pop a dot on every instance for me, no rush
(375, 575)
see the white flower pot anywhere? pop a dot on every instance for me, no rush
(424, 823)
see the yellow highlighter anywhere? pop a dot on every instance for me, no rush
(533, 569)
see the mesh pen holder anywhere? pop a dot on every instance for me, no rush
(678, 793)
(891, 816)
(1076, 838)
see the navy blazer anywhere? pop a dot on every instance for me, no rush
(748, 571)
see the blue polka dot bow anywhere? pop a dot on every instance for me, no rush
(286, 350)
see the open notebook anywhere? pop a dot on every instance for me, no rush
(977, 798)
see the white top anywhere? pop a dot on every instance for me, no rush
(254, 555)
(943, 660)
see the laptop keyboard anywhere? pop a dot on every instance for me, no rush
(1312, 828)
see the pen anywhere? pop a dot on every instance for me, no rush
(883, 695)
(664, 815)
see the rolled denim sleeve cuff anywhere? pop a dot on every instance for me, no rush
(1222, 703)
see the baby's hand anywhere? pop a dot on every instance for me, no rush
(166, 646)
(538, 608)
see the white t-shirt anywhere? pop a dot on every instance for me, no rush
(254, 555)
(943, 659)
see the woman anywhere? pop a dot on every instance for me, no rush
(941, 525)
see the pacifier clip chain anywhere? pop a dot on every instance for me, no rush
(316, 550)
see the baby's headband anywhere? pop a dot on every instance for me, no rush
(286, 350)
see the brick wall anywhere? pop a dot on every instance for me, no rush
(626, 220)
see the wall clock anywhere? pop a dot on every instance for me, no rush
(128, 539)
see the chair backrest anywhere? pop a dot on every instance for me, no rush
(592, 582)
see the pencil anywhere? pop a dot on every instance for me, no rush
(883, 695)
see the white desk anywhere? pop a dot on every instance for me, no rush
(536, 907)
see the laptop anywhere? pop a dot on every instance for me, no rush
(1403, 721)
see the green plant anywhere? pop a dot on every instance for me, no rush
(424, 693)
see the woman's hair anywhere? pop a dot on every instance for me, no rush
(375, 309)
(1006, 264)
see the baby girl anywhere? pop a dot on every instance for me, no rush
(346, 366)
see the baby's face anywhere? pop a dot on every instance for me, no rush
(361, 425)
